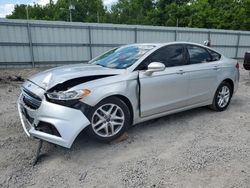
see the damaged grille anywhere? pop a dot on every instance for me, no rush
(31, 100)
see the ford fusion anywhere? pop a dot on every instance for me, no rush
(122, 87)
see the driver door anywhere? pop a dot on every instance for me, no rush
(164, 90)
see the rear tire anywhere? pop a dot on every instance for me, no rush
(109, 119)
(222, 97)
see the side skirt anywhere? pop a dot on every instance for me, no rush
(140, 120)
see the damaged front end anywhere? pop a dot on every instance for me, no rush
(48, 121)
(56, 114)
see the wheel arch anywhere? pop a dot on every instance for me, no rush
(127, 102)
(214, 105)
(230, 81)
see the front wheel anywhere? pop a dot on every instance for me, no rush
(222, 97)
(109, 119)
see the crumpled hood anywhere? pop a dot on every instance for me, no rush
(49, 78)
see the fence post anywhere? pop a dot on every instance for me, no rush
(175, 35)
(30, 45)
(90, 43)
(237, 46)
(135, 34)
(209, 36)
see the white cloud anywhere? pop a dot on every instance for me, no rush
(6, 9)
(109, 2)
(42, 2)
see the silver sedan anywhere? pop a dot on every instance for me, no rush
(125, 86)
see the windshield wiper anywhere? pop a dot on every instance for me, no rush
(99, 64)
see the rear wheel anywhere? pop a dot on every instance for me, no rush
(222, 97)
(109, 119)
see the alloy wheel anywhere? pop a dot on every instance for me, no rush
(223, 96)
(108, 120)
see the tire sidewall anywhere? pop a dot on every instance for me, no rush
(125, 109)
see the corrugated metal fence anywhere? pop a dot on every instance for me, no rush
(41, 43)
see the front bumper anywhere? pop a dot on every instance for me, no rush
(68, 122)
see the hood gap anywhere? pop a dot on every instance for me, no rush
(74, 82)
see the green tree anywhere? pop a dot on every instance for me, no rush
(18, 13)
(219, 14)
(85, 11)
(89, 11)
(132, 11)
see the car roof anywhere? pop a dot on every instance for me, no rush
(158, 45)
(164, 44)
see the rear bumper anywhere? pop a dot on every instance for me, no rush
(68, 122)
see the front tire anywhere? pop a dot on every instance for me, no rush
(222, 97)
(110, 118)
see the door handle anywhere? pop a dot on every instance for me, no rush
(180, 72)
(216, 67)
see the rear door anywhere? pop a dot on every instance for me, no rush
(203, 71)
(165, 90)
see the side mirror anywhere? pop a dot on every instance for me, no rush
(207, 43)
(155, 67)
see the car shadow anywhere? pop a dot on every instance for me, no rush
(84, 143)
(83, 139)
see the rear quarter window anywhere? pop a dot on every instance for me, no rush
(214, 55)
(198, 54)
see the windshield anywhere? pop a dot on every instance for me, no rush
(122, 57)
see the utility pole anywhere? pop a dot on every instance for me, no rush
(71, 7)
(70, 15)
(177, 19)
(98, 17)
(27, 12)
(69, 11)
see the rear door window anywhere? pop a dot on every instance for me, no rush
(171, 56)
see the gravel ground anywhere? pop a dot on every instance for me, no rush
(196, 148)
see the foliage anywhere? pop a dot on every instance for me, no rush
(221, 14)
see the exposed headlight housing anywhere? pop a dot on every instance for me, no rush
(68, 95)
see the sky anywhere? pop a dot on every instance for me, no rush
(7, 6)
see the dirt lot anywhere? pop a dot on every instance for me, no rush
(197, 148)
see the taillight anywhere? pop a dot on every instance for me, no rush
(237, 65)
